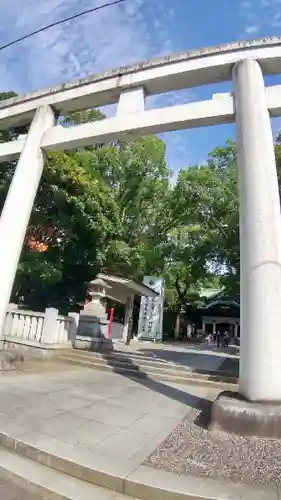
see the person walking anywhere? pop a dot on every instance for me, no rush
(226, 338)
(218, 335)
(209, 339)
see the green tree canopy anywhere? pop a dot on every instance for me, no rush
(74, 215)
(73, 218)
(137, 175)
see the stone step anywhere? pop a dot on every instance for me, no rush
(141, 360)
(130, 356)
(138, 364)
(68, 473)
(153, 373)
(49, 483)
(117, 351)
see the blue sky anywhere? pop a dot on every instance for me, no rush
(136, 30)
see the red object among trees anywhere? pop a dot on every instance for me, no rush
(39, 238)
(111, 315)
(36, 246)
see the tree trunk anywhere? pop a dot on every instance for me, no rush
(177, 326)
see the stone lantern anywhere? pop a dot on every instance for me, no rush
(93, 324)
(97, 291)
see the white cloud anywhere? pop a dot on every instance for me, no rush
(260, 17)
(246, 5)
(269, 3)
(252, 29)
(109, 38)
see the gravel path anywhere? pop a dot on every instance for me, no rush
(192, 449)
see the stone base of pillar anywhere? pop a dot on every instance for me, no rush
(95, 344)
(92, 326)
(232, 413)
(92, 334)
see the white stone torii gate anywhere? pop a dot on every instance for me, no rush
(250, 106)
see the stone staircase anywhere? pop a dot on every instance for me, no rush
(47, 483)
(138, 365)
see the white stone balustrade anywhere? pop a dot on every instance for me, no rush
(40, 327)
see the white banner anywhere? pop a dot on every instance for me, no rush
(151, 311)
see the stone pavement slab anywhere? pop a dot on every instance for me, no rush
(101, 412)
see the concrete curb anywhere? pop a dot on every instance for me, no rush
(129, 477)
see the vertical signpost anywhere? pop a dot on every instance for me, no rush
(150, 325)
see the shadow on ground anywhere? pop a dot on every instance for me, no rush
(199, 346)
(189, 353)
(227, 371)
(140, 377)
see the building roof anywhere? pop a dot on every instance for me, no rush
(208, 293)
(223, 301)
(121, 288)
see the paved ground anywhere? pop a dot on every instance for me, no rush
(106, 413)
(111, 415)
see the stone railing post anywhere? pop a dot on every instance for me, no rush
(73, 327)
(49, 331)
(8, 324)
